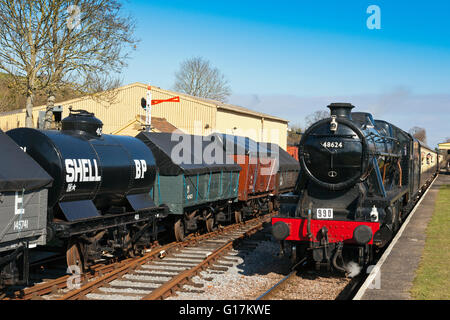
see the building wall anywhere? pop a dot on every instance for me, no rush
(259, 129)
(275, 132)
(188, 115)
(114, 110)
(235, 123)
(194, 116)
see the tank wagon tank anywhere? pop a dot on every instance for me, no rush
(99, 199)
(23, 211)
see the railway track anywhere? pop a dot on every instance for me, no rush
(348, 291)
(156, 275)
(169, 269)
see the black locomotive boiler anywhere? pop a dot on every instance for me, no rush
(358, 177)
(99, 203)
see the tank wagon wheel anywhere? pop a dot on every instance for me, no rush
(210, 220)
(130, 250)
(238, 216)
(74, 256)
(179, 230)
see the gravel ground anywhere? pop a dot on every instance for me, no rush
(250, 275)
(253, 273)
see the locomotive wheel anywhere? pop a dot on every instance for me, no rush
(294, 256)
(238, 216)
(179, 230)
(396, 218)
(74, 256)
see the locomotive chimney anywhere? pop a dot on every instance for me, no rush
(341, 110)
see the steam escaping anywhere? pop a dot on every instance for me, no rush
(353, 269)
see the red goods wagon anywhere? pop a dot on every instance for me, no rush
(293, 151)
(258, 169)
(267, 171)
(247, 176)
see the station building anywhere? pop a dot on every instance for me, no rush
(445, 147)
(121, 112)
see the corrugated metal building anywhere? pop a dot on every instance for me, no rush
(121, 113)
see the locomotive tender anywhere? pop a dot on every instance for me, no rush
(359, 177)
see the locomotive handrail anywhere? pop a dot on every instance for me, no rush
(381, 137)
(333, 135)
(384, 154)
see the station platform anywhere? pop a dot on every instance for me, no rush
(394, 274)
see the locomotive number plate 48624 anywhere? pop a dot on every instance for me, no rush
(324, 213)
(333, 144)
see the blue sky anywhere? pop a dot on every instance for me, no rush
(291, 58)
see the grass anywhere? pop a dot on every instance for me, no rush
(432, 281)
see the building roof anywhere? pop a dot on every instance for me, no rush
(137, 124)
(444, 146)
(215, 104)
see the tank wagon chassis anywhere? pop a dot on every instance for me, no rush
(127, 234)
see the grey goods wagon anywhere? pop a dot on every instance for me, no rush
(195, 182)
(288, 168)
(23, 210)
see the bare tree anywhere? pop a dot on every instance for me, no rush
(316, 116)
(89, 43)
(24, 30)
(419, 133)
(198, 78)
(294, 134)
(49, 44)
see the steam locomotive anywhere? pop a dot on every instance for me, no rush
(359, 177)
(97, 195)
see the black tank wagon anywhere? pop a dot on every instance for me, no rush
(99, 200)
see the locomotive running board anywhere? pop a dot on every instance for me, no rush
(77, 210)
